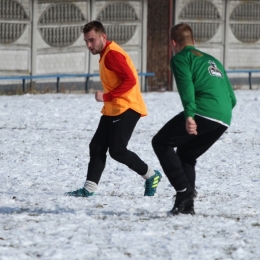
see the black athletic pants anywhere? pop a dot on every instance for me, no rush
(113, 133)
(179, 165)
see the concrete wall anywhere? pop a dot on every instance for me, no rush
(48, 37)
(43, 36)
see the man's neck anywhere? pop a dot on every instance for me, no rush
(105, 46)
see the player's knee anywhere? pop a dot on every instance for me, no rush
(188, 159)
(117, 153)
(155, 142)
(94, 149)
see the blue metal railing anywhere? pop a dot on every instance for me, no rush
(245, 71)
(88, 76)
(59, 76)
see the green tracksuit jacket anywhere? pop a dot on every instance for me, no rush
(203, 85)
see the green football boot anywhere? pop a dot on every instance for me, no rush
(80, 193)
(152, 183)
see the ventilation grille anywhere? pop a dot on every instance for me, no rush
(10, 32)
(200, 10)
(118, 12)
(61, 24)
(13, 21)
(120, 21)
(120, 34)
(203, 17)
(246, 12)
(204, 31)
(12, 10)
(248, 32)
(62, 13)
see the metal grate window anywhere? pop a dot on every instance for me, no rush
(243, 30)
(198, 15)
(63, 36)
(246, 12)
(61, 24)
(10, 32)
(12, 10)
(246, 32)
(204, 31)
(200, 9)
(61, 13)
(119, 13)
(13, 21)
(120, 33)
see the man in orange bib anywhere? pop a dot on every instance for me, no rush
(123, 106)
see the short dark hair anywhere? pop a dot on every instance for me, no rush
(182, 34)
(94, 25)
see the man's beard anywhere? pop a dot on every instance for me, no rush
(97, 51)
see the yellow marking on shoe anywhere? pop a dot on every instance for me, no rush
(156, 181)
(155, 184)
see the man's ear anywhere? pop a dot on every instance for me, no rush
(174, 44)
(104, 36)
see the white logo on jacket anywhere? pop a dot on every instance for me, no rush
(213, 70)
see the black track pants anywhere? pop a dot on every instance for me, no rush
(179, 165)
(114, 133)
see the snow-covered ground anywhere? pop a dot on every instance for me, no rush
(44, 153)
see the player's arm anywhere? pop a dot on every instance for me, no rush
(183, 78)
(231, 91)
(116, 62)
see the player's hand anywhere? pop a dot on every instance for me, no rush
(191, 126)
(99, 96)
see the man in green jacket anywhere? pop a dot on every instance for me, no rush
(208, 99)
